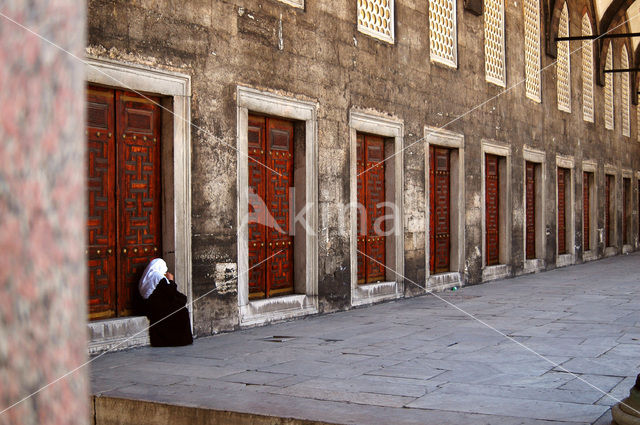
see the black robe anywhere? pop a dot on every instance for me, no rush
(170, 325)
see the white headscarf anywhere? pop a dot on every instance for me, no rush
(153, 274)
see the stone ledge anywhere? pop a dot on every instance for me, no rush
(114, 410)
(443, 281)
(564, 260)
(499, 271)
(117, 334)
(534, 266)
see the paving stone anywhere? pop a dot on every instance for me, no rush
(535, 409)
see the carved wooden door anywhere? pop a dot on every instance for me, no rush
(371, 197)
(270, 143)
(439, 201)
(586, 236)
(138, 191)
(625, 216)
(492, 185)
(530, 207)
(101, 199)
(124, 197)
(607, 210)
(562, 217)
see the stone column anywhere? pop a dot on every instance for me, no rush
(42, 213)
(628, 412)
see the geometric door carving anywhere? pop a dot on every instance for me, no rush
(530, 207)
(439, 201)
(270, 143)
(586, 204)
(492, 185)
(563, 175)
(124, 197)
(371, 197)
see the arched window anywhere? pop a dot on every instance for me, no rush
(587, 71)
(494, 42)
(532, 49)
(608, 91)
(442, 32)
(624, 93)
(563, 77)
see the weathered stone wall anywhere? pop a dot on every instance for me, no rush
(42, 198)
(319, 55)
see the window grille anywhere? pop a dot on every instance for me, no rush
(532, 49)
(494, 42)
(587, 71)
(624, 93)
(608, 92)
(563, 72)
(442, 32)
(375, 18)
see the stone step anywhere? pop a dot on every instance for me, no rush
(118, 334)
(113, 410)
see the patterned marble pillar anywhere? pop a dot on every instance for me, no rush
(42, 269)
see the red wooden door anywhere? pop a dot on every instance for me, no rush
(270, 143)
(586, 237)
(492, 185)
(439, 197)
(371, 196)
(607, 210)
(138, 191)
(101, 198)
(124, 197)
(530, 197)
(279, 184)
(257, 208)
(625, 215)
(562, 237)
(361, 210)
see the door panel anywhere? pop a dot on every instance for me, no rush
(371, 195)
(586, 233)
(374, 177)
(440, 236)
(530, 225)
(138, 191)
(257, 208)
(562, 236)
(101, 197)
(607, 210)
(270, 143)
(361, 216)
(492, 209)
(279, 183)
(625, 215)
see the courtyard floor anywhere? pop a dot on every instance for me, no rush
(538, 349)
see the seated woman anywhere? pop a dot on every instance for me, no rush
(165, 307)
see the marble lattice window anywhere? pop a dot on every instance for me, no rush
(608, 92)
(532, 49)
(442, 32)
(494, 42)
(624, 93)
(587, 71)
(296, 3)
(375, 18)
(563, 71)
